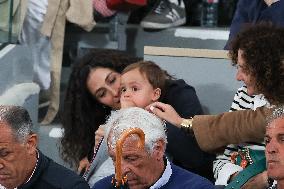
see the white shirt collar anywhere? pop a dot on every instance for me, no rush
(164, 178)
(260, 101)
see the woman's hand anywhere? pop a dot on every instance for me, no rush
(99, 134)
(166, 112)
(83, 165)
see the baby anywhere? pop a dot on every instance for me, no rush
(142, 83)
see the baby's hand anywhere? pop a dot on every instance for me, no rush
(125, 103)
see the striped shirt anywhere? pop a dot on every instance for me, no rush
(222, 166)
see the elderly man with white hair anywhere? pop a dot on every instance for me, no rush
(146, 167)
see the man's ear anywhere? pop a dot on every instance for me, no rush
(32, 143)
(156, 95)
(159, 149)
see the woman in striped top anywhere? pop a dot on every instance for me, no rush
(257, 53)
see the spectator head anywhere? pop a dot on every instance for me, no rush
(17, 146)
(92, 92)
(258, 53)
(142, 83)
(142, 166)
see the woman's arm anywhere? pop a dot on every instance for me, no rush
(211, 131)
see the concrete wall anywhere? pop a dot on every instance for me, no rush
(209, 71)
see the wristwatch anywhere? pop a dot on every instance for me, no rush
(186, 125)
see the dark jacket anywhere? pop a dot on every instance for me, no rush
(254, 11)
(50, 175)
(180, 178)
(183, 148)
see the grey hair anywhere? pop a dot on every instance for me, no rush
(124, 119)
(278, 112)
(18, 120)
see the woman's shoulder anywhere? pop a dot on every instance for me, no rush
(182, 97)
(178, 87)
(177, 83)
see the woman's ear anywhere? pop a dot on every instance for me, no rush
(156, 94)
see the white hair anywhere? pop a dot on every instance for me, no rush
(124, 119)
(278, 112)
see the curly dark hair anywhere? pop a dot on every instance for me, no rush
(263, 51)
(82, 113)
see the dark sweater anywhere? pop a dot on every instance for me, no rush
(181, 147)
(50, 175)
(180, 178)
(254, 11)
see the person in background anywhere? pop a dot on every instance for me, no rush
(255, 11)
(165, 14)
(43, 30)
(39, 45)
(274, 150)
(146, 167)
(22, 165)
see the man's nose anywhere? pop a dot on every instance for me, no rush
(1, 165)
(271, 147)
(124, 169)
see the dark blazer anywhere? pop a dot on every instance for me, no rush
(254, 11)
(50, 175)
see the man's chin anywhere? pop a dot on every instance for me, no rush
(6, 184)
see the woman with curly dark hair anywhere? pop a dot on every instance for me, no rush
(262, 49)
(248, 54)
(83, 113)
(93, 92)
